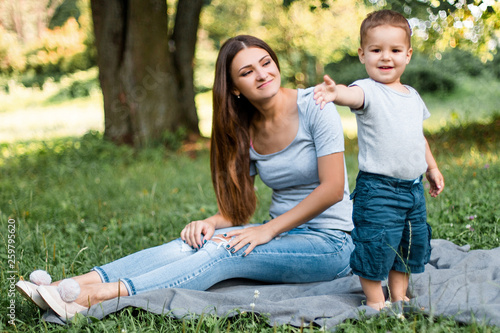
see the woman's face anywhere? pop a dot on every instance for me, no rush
(255, 74)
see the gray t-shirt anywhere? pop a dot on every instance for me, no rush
(390, 132)
(292, 173)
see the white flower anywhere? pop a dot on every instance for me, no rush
(400, 316)
(256, 294)
(388, 304)
(252, 305)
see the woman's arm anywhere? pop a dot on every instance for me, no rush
(329, 191)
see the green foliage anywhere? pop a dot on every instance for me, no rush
(428, 80)
(67, 9)
(65, 46)
(174, 140)
(469, 155)
(347, 70)
(77, 88)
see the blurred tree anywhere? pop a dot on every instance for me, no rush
(309, 34)
(305, 34)
(472, 25)
(146, 72)
(27, 18)
(54, 39)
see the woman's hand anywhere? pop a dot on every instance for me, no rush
(252, 236)
(196, 233)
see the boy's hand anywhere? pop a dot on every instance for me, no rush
(325, 92)
(436, 181)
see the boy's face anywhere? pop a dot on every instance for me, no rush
(385, 54)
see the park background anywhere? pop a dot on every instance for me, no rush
(81, 195)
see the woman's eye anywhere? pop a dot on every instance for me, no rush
(246, 73)
(267, 63)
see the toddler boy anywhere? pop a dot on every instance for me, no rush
(391, 234)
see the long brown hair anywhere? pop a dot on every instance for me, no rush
(230, 142)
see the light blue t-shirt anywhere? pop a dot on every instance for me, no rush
(292, 173)
(390, 131)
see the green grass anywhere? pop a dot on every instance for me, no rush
(80, 202)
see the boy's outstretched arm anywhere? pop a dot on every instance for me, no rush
(328, 91)
(433, 174)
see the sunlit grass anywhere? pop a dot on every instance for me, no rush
(51, 112)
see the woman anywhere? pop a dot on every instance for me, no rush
(258, 127)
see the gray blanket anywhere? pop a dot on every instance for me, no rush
(458, 283)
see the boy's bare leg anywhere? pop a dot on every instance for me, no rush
(374, 294)
(398, 284)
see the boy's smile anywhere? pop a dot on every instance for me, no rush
(385, 53)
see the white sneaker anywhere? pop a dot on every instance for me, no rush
(28, 290)
(51, 296)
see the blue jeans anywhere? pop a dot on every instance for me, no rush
(299, 255)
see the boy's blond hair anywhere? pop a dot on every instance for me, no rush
(382, 17)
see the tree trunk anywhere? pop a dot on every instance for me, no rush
(17, 19)
(187, 19)
(138, 78)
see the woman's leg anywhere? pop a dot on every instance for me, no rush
(91, 277)
(91, 294)
(103, 282)
(302, 255)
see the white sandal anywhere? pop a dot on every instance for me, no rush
(29, 291)
(52, 297)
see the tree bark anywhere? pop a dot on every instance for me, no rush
(184, 37)
(139, 79)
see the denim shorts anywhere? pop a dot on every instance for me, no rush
(390, 226)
